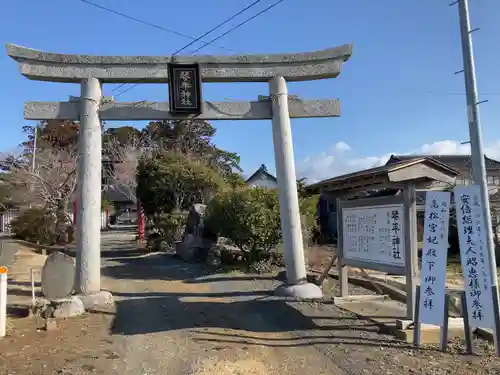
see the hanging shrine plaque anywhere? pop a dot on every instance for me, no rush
(374, 234)
(184, 89)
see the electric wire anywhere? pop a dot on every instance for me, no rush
(239, 25)
(138, 20)
(220, 36)
(217, 27)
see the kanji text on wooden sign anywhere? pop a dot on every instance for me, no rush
(434, 258)
(375, 234)
(184, 89)
(474, 256)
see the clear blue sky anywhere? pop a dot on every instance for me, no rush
(398, 91)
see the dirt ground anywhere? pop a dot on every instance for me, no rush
(175, 318)
(19, 286)
(78, 346)
(319, 256)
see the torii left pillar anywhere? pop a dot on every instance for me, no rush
(297, 285)
(88, 225)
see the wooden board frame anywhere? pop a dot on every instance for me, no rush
(410, 270)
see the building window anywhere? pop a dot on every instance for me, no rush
(491, 180)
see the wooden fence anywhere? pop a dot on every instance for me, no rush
(7, 216)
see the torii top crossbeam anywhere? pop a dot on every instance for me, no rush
(57, 67)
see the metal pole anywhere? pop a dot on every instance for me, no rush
(33, 158)
(3, 302)
(477, 153)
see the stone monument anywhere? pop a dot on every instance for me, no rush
(7, 253)
(58, 276)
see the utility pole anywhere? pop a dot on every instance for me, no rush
(33, 157)
(477, 153)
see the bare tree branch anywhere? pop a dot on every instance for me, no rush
(50, 185)
(124, 158)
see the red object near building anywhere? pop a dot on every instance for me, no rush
(140, 222)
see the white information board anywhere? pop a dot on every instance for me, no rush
(434, 258)
(374, 234)
(474, 256)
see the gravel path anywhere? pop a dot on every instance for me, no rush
(174, 318)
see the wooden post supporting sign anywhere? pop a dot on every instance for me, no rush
(3, 300)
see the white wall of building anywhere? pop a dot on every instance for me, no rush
(263, 181)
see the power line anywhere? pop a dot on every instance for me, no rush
(119, 87)
(127, 89)
(460, 93)
(446, 93)
(220, 36)
(135, 19)
(216, 27)
(239, 25)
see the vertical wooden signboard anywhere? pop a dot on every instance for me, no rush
(474, 257)
(432, 306)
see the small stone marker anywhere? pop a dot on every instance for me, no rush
(6, 254)
(69, 308)
(58, 276)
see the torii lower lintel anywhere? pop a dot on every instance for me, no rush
(152, 111)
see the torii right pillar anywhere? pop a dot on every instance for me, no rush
(296, 285)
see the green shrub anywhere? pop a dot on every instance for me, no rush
(168, 184)
(249, 217)
(36, 225)
(310, 228)
(171, 181)
(171, 226)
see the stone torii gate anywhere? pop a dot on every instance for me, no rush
(92, 71)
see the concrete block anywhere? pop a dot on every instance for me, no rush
(486, 334)
(428, 335)
(403, 323)
(68, 308)
(359, 298)
(306, 291)
(102, 301)
(453, 323)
